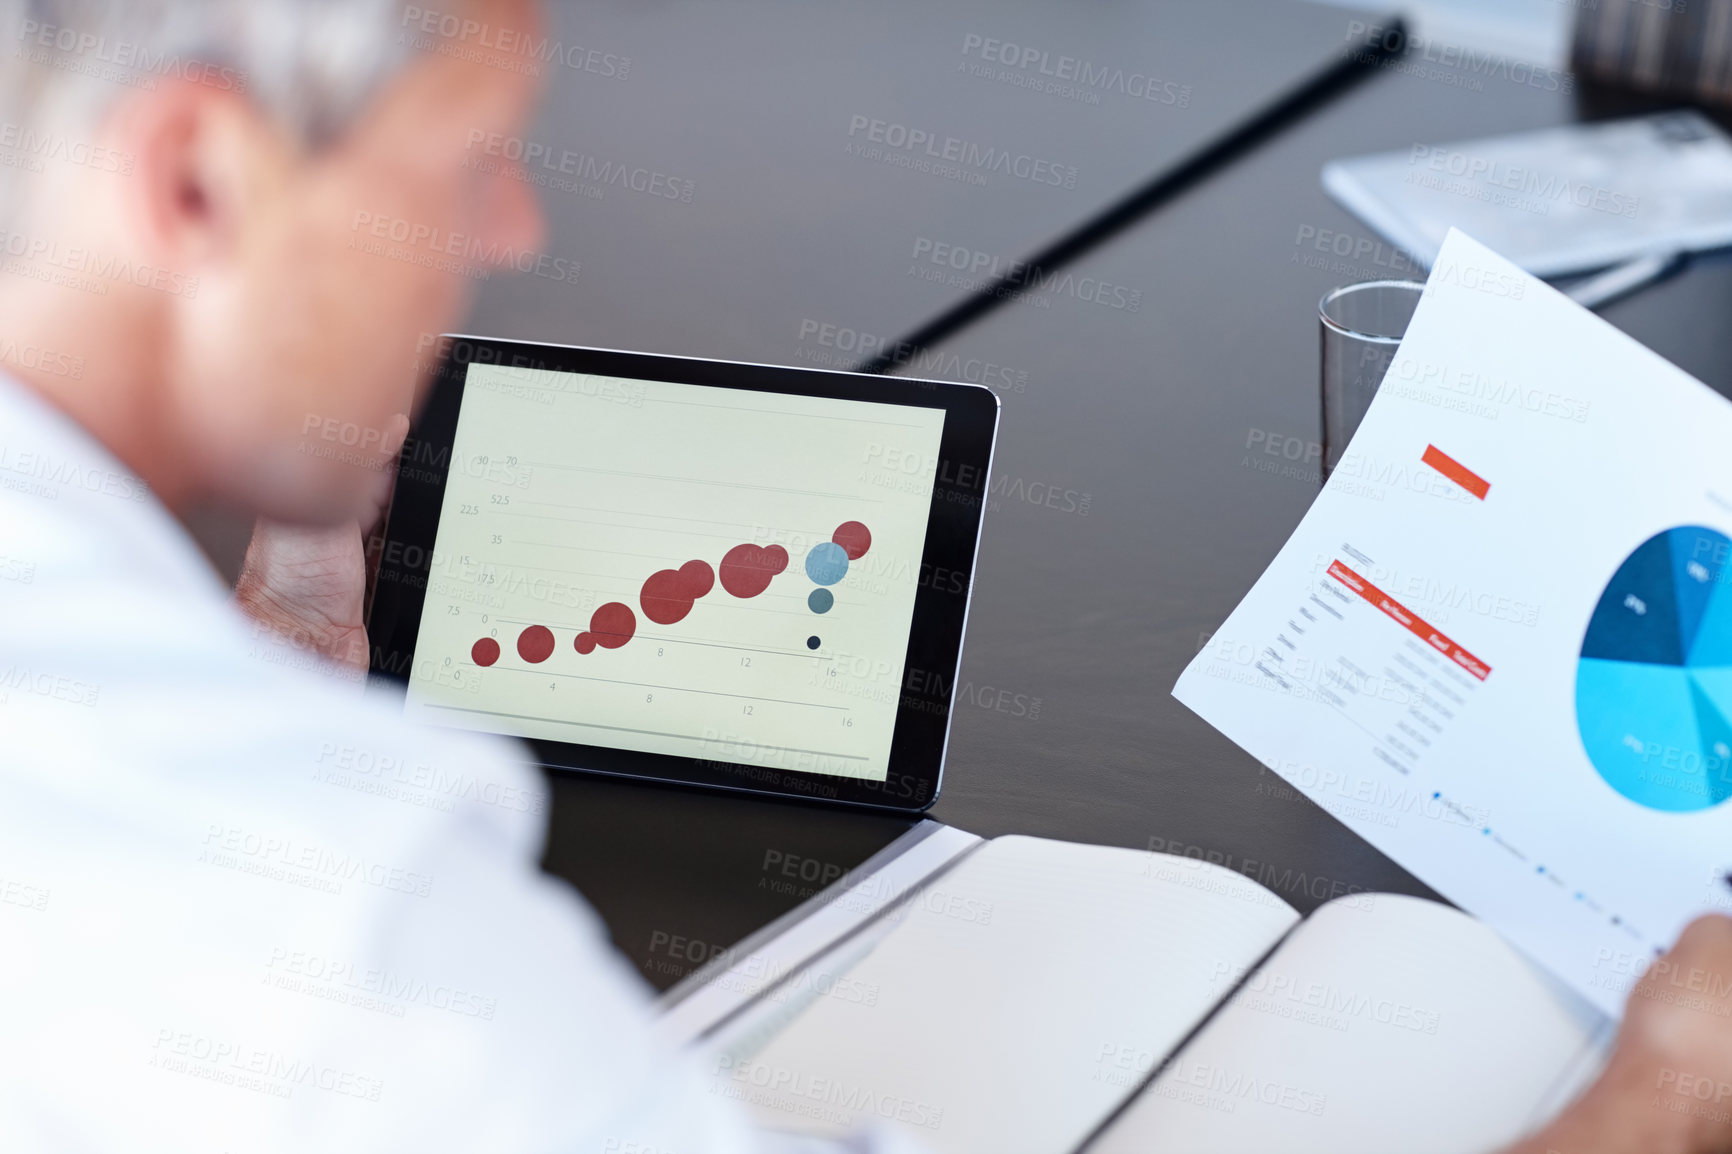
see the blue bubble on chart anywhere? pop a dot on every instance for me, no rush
(813, 643)
(820, 600)
(827, 563)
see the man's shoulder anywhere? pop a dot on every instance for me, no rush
(178, 692)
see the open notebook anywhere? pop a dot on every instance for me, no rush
(1034, 996)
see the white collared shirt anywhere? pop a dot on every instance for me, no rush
(245, 907)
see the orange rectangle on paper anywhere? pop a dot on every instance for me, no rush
(1410, 621)
(1456, 471)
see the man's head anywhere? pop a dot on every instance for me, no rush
(238, 219)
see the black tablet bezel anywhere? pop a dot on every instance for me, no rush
(925, 694)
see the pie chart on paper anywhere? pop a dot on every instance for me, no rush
(1654, 684)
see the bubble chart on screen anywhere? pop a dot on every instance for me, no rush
(610, 626)
(820, 600)
(746, 569)
(827, 563)
(854, 538)
(535, 644)
(669, 595)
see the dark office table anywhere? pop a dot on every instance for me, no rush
(771, 180)
(1135, 496)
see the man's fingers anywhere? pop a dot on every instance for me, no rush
(1709, 936)
(372, 523)
(1706, 943)
(395, 432)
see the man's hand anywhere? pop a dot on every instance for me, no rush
(309, 584)
(1668, 1086)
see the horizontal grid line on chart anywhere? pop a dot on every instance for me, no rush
(663, 640)
(653, 685)
(815, 536)
(801, 598)
(701, 481)
(629, 729)
(612, 576)
(631, 512)
(739, 526)
(633, 580)
(877, 572)
(614, 525)
(659, 557)
(852, 419)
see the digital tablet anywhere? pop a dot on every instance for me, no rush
(720, 574)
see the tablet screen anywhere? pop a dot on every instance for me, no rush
(712, 573)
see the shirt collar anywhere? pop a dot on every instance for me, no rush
(52, 471)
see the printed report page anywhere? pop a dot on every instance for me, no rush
(1499, 646)
(677, 569)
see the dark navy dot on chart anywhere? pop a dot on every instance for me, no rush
(1727, 878)
(820, 600)
(811, 643)
(1617, 921)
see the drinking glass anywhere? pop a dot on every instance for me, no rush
(1362, 327)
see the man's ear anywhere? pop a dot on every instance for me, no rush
(202, 157)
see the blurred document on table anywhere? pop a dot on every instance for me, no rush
(1557, 201)
(1499, 646)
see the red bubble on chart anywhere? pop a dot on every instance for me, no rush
(854, 538)
(610, 626)
(485, 651)
(669, 595)
(747, 569)
(535, 644)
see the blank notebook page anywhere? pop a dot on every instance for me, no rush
(1018, 999)
(1402, 1025)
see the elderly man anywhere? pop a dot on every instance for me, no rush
(210, 940)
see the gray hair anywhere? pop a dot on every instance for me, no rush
(311, 64)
